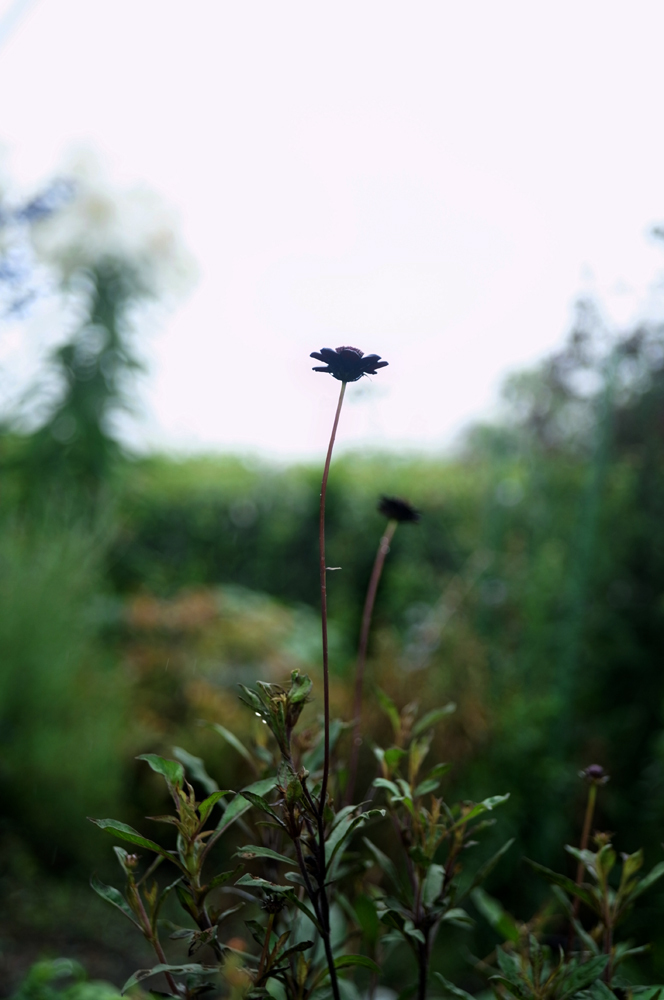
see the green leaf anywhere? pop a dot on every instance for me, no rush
(344, 961)
(486, 806)
(433, 884)
(429, 785)
(631, 865)
(389, 785)
(366, 916)
(256, 851)
(390, 709)
(417, 752)
(114, 897)
(172, 770)
(458, 917)
(240, 805)
(222, 878)
(208, 804)
(565, 883)
(261, 803)
(653, 876)
(232, 739)
(257, 882)
(295, 948)
(605, 861)
(432, 717)
(314, 758)
(300, 688)
(438, 770)
(493, 912)
(196, 768)
(508, 965)
(393, 756)
(175, 970)
(163, 896)
(127, 833)
(600, 991)
(454, 990)
(485, 870)
(341, 831)
(583, 976)
(385, 863)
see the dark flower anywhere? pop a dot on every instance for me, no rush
(595, 773)
(397, 510)
(348, 364)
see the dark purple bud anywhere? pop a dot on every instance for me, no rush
(395, 509)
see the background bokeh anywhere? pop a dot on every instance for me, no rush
(142, 578)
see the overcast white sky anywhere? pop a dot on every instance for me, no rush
(434, 182)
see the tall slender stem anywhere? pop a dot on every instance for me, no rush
(323, 602)
(585, 836)
(379, 562)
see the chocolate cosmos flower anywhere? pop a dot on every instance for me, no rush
(397, 510)
(348, 364)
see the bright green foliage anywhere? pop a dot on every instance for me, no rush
(62, 979)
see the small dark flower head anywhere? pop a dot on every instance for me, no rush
(595, 774)
(395, 509)
(348, 364)
(272, 903)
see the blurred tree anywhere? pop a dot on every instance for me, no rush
(110, 254)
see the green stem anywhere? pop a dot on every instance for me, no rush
(155, 942)
(323, 602)
(381, 555)
(266, 945)
(585, 837)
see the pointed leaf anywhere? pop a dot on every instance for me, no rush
(196, 769)
(222, 878)
(344, 961)
(425, 787)
(432, 717)
(393, 756)
(239, 805)
(125, 832)
(343, 830)
(565, 883)
(232, 739)
(486, 806)
(208, 804)
(383, 862)
(495, 915)
(458, 917)
(583, 976)
(433, 884)
(485, 870)
(390, 709)
(114, 897)
(257, 851)
(172, 770)
(653, 876)
(175, 970)
(454, 990)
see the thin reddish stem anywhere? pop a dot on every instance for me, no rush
(323, 601)
(365, 628)
(585, 836)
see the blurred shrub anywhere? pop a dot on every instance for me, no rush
(62, 705)
(62, 979)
